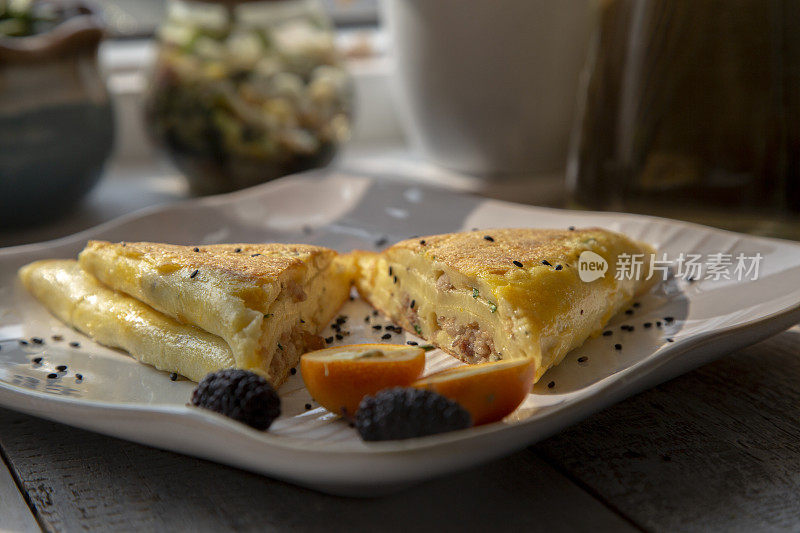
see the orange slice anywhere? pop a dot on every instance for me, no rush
(489, 391)
(338, 378)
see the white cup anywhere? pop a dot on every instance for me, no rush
(489, 87)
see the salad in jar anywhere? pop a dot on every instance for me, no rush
(245, 93)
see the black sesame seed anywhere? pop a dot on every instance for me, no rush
(339, 337)
(488, 238)
(293, 371)
(391, 271)
(670, 339)
(658, 323)
(669, 319)
(551, 384)
(57, 338)
(366, 318)
(197, 249)
(607, 333)
(629, 311)
(617, 346)
(412, 304)
(412, 343)
(254, 255)
(194, 274)
(78, 377)
(374, 313)
(422, 242)
(308, 407)
(545, 262)
(23, 342)
(637, 304)
(395, 279)
(173, 377)
(571, 228)
(237, 251)
(37, 360)
(381, 242)
(581, 311)
(377, 327)
(558, 267)
(648, 324)
(329, 339)
(517, 263)
(61, 368)
(52, 376)
(75, 344)
(386, 336)
(302, 321)
(37, 340)
(582, 359)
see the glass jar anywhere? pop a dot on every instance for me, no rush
(690, 111)
(245, 92)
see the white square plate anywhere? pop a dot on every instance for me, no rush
(120, 397)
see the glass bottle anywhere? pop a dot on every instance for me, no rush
(690, 110)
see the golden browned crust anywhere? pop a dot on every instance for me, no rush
(472, 253)
(259, 263)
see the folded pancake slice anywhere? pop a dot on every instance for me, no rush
(501, 294)
(266, 301)
(119, 321)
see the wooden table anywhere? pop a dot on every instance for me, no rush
(717, 449)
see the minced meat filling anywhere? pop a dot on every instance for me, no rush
(444, 284)
(473, 344)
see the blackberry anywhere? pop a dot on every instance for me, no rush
(239, 394)
(405, 413)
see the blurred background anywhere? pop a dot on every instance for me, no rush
(677, 108)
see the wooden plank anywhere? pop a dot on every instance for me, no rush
(80, 480)
(15, 515)
(715, 450)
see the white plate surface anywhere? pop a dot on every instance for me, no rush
(120, 397)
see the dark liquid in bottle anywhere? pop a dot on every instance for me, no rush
(692, 110)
